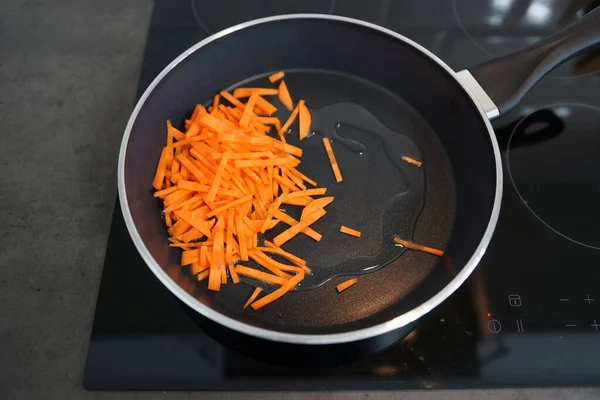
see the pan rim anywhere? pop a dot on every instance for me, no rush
(299, 338)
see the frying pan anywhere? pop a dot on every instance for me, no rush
(377, 95)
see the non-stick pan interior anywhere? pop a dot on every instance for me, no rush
(389, 99)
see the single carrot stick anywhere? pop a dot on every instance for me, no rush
(284, 96)
(187, 163)
(217, 179)
(159, 177)
(165, 192)
(276, 76)
(229, 205)
(203, 275)
(412, 161)
(253, 296)
(332, 160)
(266, 263)
(294, 230)
(261, 276)
(283, 217)
(289, 285)
(291, 119)
(245, 120)
(216, 100)
(418, 247)
(265, 108)
(302, 176)
(247, 92)
(315, 205)
(349, 231)
(304, 119)
(345, 285)
(231, 99)
(264, 163)
(271, 247)
(241, 235)
(308, 192)
(234, 276)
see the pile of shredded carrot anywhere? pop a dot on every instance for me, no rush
(223, 180)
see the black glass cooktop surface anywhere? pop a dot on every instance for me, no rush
(530, 313)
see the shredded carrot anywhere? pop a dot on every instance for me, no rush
(284, 96)
(253, 296)
(332, 160)
(276, 76)
(418, 247)
(289, 285)
(349, 231)
(304, 119)
(222, 181)
(412, 161)
(345, 285)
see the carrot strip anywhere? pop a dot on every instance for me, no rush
(272, 248)
(263, 163)
(231, 99)
(185, 161)
(229, 205)
(165, 192)
(261, 276)
(346, 284)
(288, 148)
(412, 161)
(289, 285)
(276, 76)
(159, 177)
(253, 296)
(294, 230)
(267, 263)
(247, 92)
(284, 96)
(308, 192)
(292, 222)
(291, 119)
(314, 206)
(265, 108)
(203, 275)
(418, 247)
(241, 235)
(245, 120)
(349, 231)
(332, 160)
(234, 276)
(304, 119)
(217, 179)
(302, 176)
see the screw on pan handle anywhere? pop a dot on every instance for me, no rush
(507, 79)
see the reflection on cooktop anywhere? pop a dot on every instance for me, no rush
(492, 27)
(558, 178)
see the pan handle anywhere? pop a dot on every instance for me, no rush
(504, 81)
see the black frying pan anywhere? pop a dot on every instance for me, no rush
(378, 96)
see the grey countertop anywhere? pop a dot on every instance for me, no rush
(68, 74)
